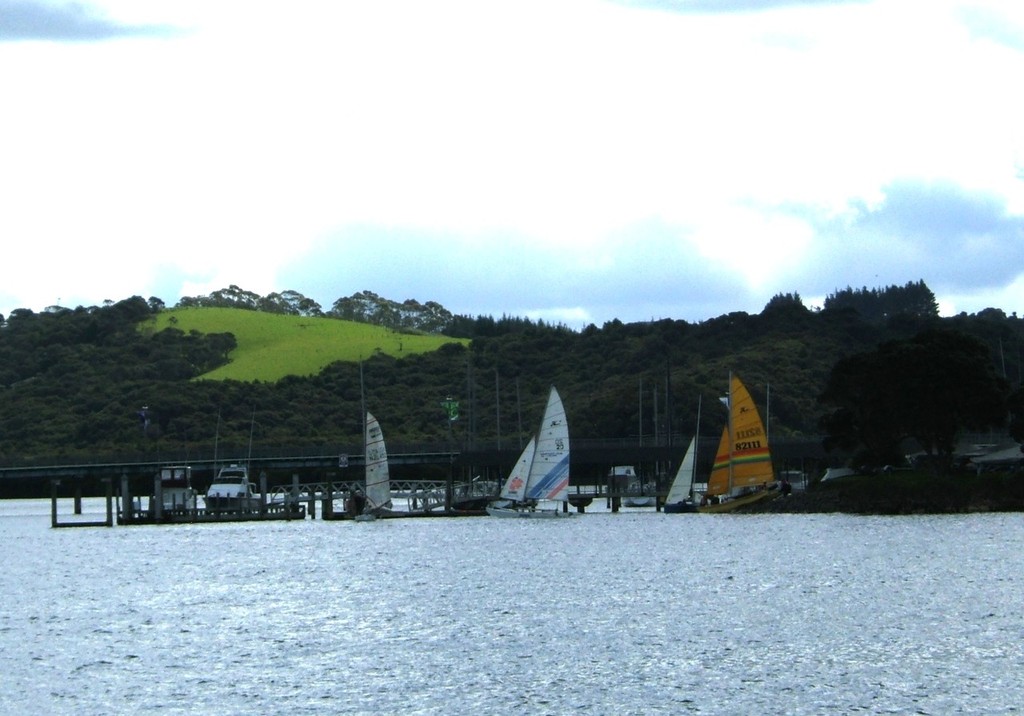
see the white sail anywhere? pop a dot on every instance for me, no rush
(683, 482)
(378, 480)
(515, 485)
(549, 473)
(542, 471)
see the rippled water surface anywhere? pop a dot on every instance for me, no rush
(630, 613)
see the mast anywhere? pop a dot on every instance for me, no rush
(640, 413)
(696, 446)
(497, 405)
(216, 441)
(252, 424)
(732, 440)
(362, 408)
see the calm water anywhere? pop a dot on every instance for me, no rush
(634, 613)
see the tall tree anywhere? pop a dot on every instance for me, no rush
(914, 299)
(929, 388)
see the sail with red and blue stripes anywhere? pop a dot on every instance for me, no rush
(549, 472)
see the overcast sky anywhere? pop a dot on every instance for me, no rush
(571, 160)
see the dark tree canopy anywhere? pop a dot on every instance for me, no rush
(914, 300)
(368, 307)
(1015, 405)
(929, 388)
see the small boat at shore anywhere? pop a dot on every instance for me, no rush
(176, 491)
(637, 494)
(232, 490)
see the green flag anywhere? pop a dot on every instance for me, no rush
(451, 408)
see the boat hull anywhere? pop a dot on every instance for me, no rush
(738, 502)
(472, 503)
(230, 503)
(529, 514)
(638, 502)
(679, 507)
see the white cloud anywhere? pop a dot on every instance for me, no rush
(582, 135)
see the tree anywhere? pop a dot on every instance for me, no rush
(877, 305)
(1015, 405)
(929, 388)
(230, 297)
(291, 303)
(785, 302)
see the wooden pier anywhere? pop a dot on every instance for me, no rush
(287, 502)
(298, 500)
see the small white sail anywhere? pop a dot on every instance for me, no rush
(515, 485)
(378, 480)
(683, 482)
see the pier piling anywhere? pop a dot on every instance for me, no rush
(55, 519)
(263, 493)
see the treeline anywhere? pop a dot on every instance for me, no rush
(73, 382)
(914, 300)
(874, 305)
(364, 307)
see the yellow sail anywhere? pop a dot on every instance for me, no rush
(743, 458)
(718, 482)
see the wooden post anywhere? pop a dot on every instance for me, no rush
(657, 491)
(158, 498)
(54, 484)
(581, 505)
(294, 500)
(109, 489)
(328, 506)
(78, 497)
(263, 493)
(126, 500)
(449, 487)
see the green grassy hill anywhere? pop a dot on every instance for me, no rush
(272, 346)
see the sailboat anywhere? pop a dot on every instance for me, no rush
(679, 498)
(742, 473)
(376, 500)
(680, 494)
(542, 471)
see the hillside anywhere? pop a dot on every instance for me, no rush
(135, 378)
(270, 346)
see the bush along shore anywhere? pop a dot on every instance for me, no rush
(905, 493)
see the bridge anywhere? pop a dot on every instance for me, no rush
(414, 465)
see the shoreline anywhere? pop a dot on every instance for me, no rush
(908, 493)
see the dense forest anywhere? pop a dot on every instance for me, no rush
(87, 384)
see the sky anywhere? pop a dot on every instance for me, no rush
(572, 161)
